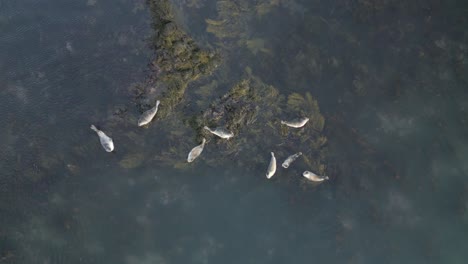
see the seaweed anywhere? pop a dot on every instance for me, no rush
(178, 61)
(307, 106)
(233, 24)
(132, 160)
(229, 27)
(257, 45)
(250, 109)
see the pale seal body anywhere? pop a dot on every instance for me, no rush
(291, 159)
(148, 115)
(314, 177)
(296, 123)
(196, 151)
(272, 167)
(106, 141)
(220, 132)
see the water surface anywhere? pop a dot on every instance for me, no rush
(390, 80)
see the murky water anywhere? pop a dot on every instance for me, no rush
(390, 80)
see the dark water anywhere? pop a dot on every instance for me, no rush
(390, 78)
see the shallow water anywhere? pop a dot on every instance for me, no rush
(389, 77)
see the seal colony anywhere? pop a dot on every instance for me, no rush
(244, 120)
(223, 133)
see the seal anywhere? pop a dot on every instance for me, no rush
(106, 141)
(196, 151)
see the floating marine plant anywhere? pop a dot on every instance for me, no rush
(233, 20)
(233, 24)
(307, 106)
(257, 45)
(251, 110)
(178, 61)
(132, 160)
(301, 64)
(240, 107)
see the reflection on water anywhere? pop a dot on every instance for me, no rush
(384, 81)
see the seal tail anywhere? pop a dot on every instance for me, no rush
(94, 128)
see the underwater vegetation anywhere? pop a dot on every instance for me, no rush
(234, 22)
(250, 109)
(329, 67)
(178, 61)
(251, 105)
